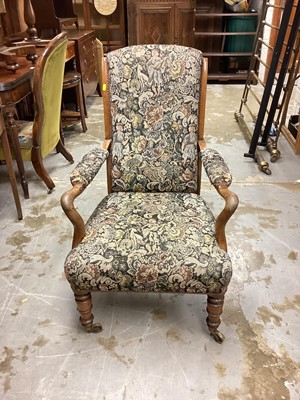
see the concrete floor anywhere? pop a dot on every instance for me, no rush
(155, 346)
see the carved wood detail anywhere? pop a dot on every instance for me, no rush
(161, 22)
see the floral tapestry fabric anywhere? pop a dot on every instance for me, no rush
(24, 133)
(88, 167)
(154, 242)
(154, 97)
(215, 167)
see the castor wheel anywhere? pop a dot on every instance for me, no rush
(94, 328)
(217, 335)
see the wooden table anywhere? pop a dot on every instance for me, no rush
(9, 165)
(14, 87)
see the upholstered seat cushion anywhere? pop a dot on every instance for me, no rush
(25, 139)
(25, 133)
(170, 246)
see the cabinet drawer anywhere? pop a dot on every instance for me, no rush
(86, 45)
(87, 53)
(89, 80)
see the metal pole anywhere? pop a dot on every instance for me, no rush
(271, 75)
(281, 77)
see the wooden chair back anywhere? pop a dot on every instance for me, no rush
(47, 91)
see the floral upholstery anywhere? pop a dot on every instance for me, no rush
(153, 242)
(25, 139)
(215, 167)
(153, 232)
(25, 133)
(154, 97)
(88, 167)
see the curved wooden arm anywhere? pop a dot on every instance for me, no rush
(67, 203)
(231, 203)
(79, 185)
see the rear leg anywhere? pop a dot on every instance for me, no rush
(215, 302)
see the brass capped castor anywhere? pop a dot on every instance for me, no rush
(94, 328)
(274, 155)
(217, 335)
(272, 149)
(264, 167)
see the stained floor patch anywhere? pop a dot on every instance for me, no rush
(221, 370)
(267, 315)
(39, 222)
(293, 255)
(110, 345)
(173, 334)
(41, 341)
(19, 238)
(7, 369)
(158, 314)
(265, 373)
(288, 304)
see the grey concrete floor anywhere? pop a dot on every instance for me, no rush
(154, 346)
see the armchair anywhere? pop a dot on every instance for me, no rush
(38, 138)
(152, 232)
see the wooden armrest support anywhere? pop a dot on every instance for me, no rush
(231, 203)
(106, 143)
(81, 177)
(201, 144)
(67, 203)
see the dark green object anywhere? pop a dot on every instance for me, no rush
(240, 43)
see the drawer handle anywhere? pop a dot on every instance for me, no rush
(84, 48)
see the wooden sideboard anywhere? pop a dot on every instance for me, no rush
(161, 22)
(85, 58)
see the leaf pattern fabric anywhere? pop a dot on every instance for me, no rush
(153, 233)
(154, 97)
(88, 167)
(215, 167)
(154, 242)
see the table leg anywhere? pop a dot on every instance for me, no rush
(10, 111)
(11, 172)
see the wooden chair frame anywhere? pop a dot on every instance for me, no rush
(214, 300)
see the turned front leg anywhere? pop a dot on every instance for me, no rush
(84, 306)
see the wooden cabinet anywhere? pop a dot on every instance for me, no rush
(85, 58)
(110, 29)
(163, 22)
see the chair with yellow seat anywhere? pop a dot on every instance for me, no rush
(41, 136)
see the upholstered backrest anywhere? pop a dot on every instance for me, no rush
(152, 102)
(47, 89)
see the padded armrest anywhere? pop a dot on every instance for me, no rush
(215, 167)
(88, 167)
